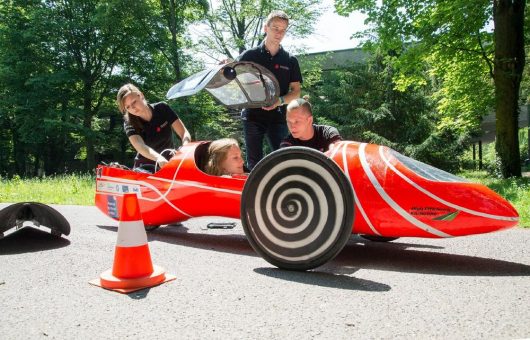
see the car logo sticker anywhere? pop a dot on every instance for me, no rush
(112, 207)
(118, 188)
(447, 217)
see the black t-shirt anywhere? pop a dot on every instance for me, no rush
(285, 68)
(323, 137)
(155, 133)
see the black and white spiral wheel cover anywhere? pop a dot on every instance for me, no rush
(297, 208)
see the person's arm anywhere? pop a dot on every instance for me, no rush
(182, 132)
(139, 145)
(332, 136)
(295, 88)
(332, 146)
(225, 61)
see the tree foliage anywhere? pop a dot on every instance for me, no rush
(167, 29)
(30, 91)
(235, 25)
(362, 101)
(452, 39)
(61, 63)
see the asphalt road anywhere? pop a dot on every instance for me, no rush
(475, 287)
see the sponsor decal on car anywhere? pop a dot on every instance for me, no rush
(112, 207)
(118, 188)
(436, 213)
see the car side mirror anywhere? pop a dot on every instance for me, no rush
(229, 73)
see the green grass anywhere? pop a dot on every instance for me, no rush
(65, 189)
(79, 190)
(515, 190)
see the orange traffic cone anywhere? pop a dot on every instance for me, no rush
(132, 269)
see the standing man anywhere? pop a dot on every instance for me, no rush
(270, 121)
(302, 130)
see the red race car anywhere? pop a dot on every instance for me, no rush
(298, 206)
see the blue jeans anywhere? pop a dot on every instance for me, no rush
(254, 133)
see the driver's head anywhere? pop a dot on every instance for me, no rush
(224, 158)
(300, 119)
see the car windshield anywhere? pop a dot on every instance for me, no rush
(426, 171)
(235, 85)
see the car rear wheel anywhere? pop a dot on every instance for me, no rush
(297, 208)
(151, 227)
(376, 238)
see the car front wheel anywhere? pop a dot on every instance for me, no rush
(297, 208)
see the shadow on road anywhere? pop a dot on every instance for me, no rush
(357, 254)
(28, 240)
(139, 294)
(232, 243)
(402, 257)
(324, 279)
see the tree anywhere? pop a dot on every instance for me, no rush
(509, 64)
(167, 29)
(94, 38)
(236, 25)
(30, 93)
(452, 35)
(360, 99)
(61, 63)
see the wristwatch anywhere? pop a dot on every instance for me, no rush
(282, 101)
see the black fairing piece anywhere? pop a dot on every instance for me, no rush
(39, 214)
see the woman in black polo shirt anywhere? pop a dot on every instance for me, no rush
(149, 127)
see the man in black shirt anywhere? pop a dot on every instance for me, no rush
(302, 130)
(270, 121)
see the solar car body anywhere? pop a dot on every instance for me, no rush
(298, 206)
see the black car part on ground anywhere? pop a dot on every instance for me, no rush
(17, 216)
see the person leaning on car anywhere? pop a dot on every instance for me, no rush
(270, 121)
(149, 127)
(302, 130)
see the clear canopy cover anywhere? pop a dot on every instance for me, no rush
(235, 85)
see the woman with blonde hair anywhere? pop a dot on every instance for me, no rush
(224, 158)
(149, 127)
